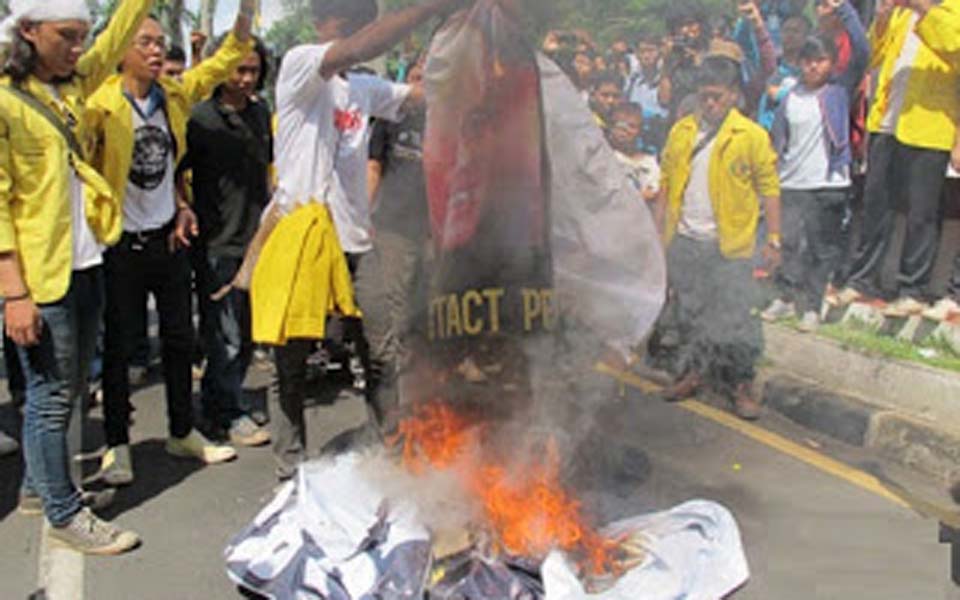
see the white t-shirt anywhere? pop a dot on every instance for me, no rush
(901, 76)
(805, 164)
(643, 170)
(322, 142)
(87, 252)
(150, 202)
(697, 220)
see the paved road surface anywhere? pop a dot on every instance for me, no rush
(809, 534)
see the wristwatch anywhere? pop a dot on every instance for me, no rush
(773, 240)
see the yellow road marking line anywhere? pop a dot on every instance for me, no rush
(856, 477)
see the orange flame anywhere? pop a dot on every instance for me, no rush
(529, 515)
(435, 436)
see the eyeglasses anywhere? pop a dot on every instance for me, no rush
(146, 42)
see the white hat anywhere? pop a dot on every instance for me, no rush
(42, 10)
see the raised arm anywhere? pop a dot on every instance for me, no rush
(939, 28)
(880, 42)
(200, 81)
(101, 60)
(859, 44)
(381, 35)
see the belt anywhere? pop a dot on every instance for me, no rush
(138, 239)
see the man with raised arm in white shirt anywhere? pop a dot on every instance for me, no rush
(321, 159)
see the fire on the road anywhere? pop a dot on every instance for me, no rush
(526, 508)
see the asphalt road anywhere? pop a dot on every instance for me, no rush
(809, 533)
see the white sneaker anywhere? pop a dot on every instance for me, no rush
(198, 447)
(943, 310)
(809, 323)
(245, 432)
(778, 311)
(905, 307)
(844, 297)
(89, 534)
(116, 467)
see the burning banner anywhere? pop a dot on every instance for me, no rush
(540, 244)
(356, 527)
(530, 216)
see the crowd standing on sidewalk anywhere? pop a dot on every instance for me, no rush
(127, 170)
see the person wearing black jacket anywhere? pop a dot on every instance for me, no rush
(230, 148)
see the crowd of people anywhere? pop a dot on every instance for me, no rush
(745, 137)
(778, 144)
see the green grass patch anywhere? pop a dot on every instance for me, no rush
(875, 344)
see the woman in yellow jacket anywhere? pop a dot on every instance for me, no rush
(139, 122)
(55, 212)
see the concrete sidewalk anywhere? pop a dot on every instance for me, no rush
(908, 413)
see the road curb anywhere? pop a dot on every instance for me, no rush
(818, 409)
(927, 447)
(918, 391)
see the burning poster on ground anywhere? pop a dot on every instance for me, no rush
(544, 260)
(362, 526)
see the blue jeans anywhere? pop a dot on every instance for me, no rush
(55, 372)
(227, 336)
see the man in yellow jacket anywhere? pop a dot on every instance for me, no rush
(718, 167)
(913, 126)
(939, 28)
(138, 121)
(55, 213)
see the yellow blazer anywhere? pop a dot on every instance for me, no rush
(940, 31)
(111, 115)
(743, 168)
(300, 278)
(931, 106)
(36, 219)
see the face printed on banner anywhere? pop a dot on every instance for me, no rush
(484, 158)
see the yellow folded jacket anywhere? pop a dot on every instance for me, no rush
(300, 279)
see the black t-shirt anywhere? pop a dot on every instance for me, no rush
(229, 153)
(401, 203)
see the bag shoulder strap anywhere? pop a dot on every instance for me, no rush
(45, 111)
(702, 144)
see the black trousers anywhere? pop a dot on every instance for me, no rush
(372, 340)
(953, 288)
(719, 338)
(135, 268)
(813, 243)
(918, 175)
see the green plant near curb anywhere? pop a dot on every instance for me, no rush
(870, 342)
